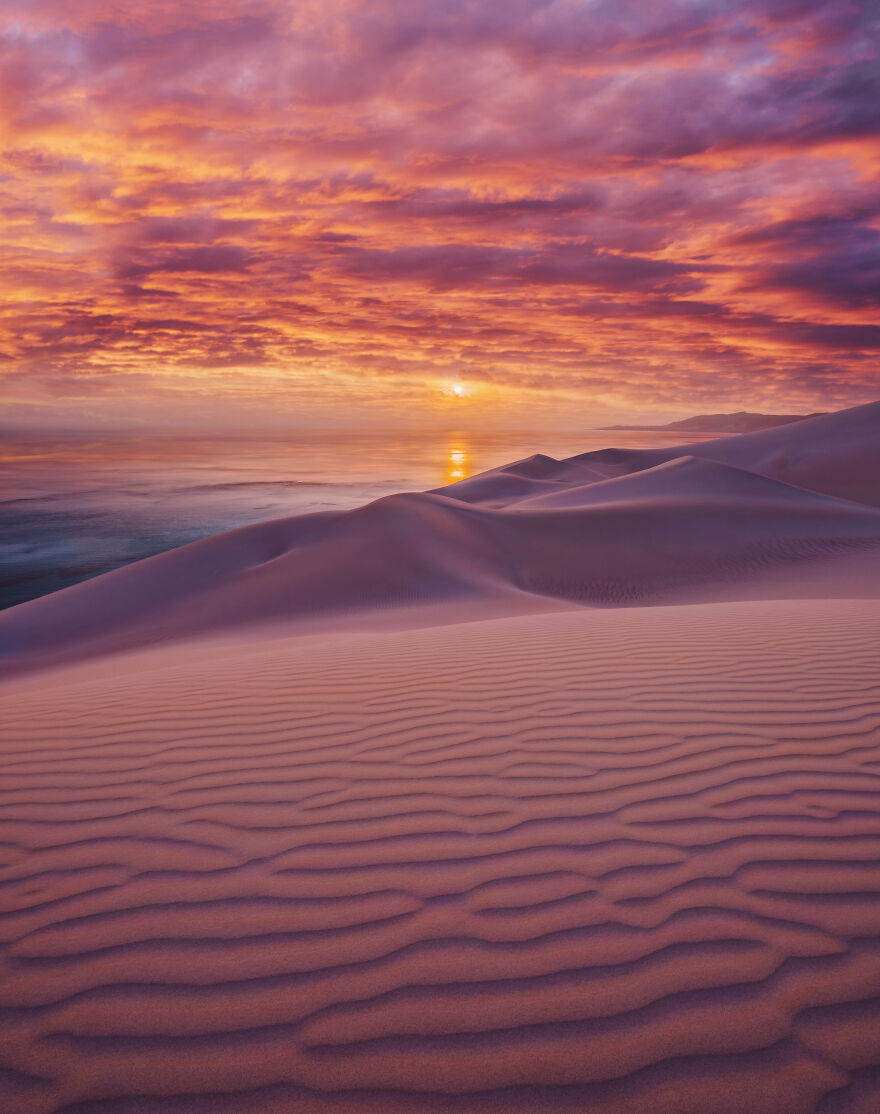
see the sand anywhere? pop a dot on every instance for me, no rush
(556, 790)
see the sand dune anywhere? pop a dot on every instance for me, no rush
(558, 796)
(834, 454)
(605, 529)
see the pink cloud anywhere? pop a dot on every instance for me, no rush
(647, 199)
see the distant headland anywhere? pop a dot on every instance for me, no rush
(740, 422)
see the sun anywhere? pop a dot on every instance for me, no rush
(455, 390)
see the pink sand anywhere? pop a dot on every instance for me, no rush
(555, 790)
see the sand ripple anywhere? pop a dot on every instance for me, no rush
(605, 861)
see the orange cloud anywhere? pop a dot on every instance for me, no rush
(301, 208)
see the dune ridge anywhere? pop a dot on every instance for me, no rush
(381, 812)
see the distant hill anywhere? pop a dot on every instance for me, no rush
(740, 422)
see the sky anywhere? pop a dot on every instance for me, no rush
(227, 213)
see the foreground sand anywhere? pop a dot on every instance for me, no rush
(621, 864)
(498, 852)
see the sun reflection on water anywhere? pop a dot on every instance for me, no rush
(458, 461)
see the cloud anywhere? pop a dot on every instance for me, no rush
(834, 258)
(209, 260)
(645, 201)
(447, 266)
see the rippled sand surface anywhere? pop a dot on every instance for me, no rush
(404, 810)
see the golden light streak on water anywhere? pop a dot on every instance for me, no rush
(458, 463)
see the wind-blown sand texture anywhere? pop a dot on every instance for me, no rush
(557, 790)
